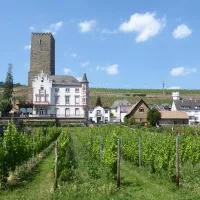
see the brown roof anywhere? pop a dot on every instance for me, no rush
(129, 111)
(174, 115)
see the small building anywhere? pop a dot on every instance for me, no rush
(99, 114)
(119, 110)
(190, 106)
(173, 118)
(139, 111)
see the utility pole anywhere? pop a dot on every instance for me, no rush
(163, 87)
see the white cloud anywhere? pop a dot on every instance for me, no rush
(27, 47)
(53, 28)
(85, 64)
(111, 70)
(182, 71)
(109, 32)
(32, 28)
(146, 25)
(174, 88)
(87, 26)
(73, 55)
(67, 71)
(181, 32)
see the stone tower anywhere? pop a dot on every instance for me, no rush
(42, 55)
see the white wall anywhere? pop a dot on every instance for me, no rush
(92, 114)
(60, 107)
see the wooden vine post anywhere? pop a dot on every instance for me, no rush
(101, 150)
(139, 151)
(56, 166)
(177, 160)
(118, 163)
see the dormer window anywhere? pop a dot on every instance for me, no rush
(185, 107)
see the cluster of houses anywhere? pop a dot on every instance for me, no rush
(182, 111)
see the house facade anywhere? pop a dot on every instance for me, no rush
(119, 110)
(99, 114)
(139, 111)
(60, 96)
(173, 118)
(190, 106)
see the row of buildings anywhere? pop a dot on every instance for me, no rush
(63, 96)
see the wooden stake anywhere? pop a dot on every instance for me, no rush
(56, 166)
(139, 151)
(100, 156)
(118, 163)
(177, 160)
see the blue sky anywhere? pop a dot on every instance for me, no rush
(120, 44)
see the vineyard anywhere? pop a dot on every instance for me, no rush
(17, 149)
(153, 151)
(109, 161)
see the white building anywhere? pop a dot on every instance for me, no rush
(191, 106)
(60, 96)
(119, 110)
(99, 114)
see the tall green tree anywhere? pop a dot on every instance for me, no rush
(153, 116)
(8, 84)
(99, 103)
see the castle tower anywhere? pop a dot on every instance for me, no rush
(42, 55)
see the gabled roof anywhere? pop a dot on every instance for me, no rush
(65, 80)
(187, 104)
(134, 107)
(84, 80)
(174, 115)
(118, 103)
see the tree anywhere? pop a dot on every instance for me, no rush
(5, 107)
(99, 103)
(8, 85)
(153, 116)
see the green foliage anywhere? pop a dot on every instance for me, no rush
(17, 148)
(5, 107)
(153, 116)
(8, 85)
(99, 103)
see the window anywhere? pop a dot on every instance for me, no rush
(84, 88)
(197, 107)
(90, 112)
(196, 118)
(67, 112)
(185, 107)
(41, 87)
(106, 111)
(42, 80)
(67, 90)
(140, 119)
(98, 112)
(56, 89)
(141, 109)
(106, 119)
(66, 99)
(77, 111)
(76, 90)
(57, 99)
(76, 100)
(90, 118)
(57, 111)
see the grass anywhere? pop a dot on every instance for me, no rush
(37, 185)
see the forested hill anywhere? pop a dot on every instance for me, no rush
(14, 85)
